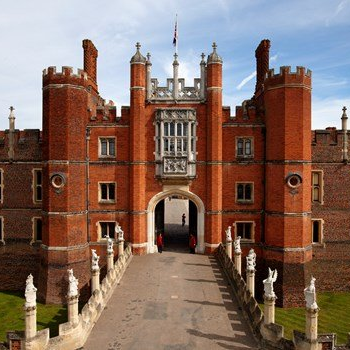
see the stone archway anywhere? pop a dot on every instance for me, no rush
(151, 248)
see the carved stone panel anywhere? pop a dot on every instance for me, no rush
(175, 166)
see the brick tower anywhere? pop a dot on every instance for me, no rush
(214, 149)
(287, 101)
(137, 151)
(66, 97)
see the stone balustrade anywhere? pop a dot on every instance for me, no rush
(73, 334)
(270, 334)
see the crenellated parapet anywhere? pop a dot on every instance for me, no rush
(67, 76)
(176, 89)
(26, 145)
(286, 77)
(103, 111)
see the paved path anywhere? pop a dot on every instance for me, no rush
(171, 301)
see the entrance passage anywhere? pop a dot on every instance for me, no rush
(176, 219)
(172, 301)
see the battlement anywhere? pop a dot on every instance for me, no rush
(67, 75)
(105, 112)
(167, 92)
(286, 70)
(330, 136)
(26, 144)
(300, 77)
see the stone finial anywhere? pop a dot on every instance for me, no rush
(176, 62)
(310, 295)
(94, 260)
(251, 260)
(214, 57)
(344, 115)
(138, 58)
(148, 58)
(203, 58)
(12, 118)
(30, 292)
(228, 234)
(237, 245)
(268, 284)
(73, 284)
(119, 232)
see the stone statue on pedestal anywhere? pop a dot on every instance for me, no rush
(94, 260)
(30, 292)
(109, 244)
(73, 284)
(228, 234)
(310, 295)
(268, 284)
(119, 232)
(251, 258)
(237, 244)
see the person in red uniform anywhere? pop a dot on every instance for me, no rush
(160, 242)
(193, 243)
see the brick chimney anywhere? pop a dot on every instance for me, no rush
(262, 63)
(90, 59)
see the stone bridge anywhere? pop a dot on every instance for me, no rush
(172, 300)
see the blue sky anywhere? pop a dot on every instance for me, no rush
(37, 34)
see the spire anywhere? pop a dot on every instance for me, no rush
(214, 57)
(138, 58)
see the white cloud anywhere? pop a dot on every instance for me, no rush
(38, 41)
(327, 112)
(245, 80)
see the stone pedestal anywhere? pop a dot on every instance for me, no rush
(95, 280)
(229, 249)
(269, 309)
(30, 321)
(120, 247)
(73, 312)
(251, 281)
(311, 324)
(238, 262)
(110, 261)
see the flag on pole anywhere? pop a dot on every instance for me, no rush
(175, 35)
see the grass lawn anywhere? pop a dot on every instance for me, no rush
(12, 314)
(333, 317)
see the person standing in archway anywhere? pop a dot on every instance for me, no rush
(192, 243)
(160, 243)
(183, 219)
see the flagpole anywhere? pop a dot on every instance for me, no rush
(177, 36)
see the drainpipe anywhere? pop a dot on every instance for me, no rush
(87, 171)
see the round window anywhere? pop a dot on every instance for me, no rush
(57, 180)
(294, 180)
